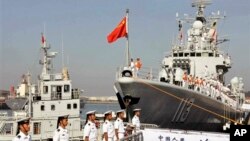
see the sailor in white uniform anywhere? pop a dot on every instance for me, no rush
(108, 127)
(119, 126)
(90, 131)
(61, 133)
(23, 129)
(136, 120)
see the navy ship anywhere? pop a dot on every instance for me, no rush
(44, 102)
(189, 91)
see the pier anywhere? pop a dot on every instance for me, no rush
(99, 99)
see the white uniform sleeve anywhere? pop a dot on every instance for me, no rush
(86, 130)
(56, 136)
(116, 125)
(15, 139)
(105, 128)
(30, 138)
(134, 121)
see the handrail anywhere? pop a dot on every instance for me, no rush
(134, 137)
(143, 73)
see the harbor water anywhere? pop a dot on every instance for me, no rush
(99, 107)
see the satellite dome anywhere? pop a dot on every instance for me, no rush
(197, 25)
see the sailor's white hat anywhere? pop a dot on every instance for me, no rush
(90, 112)
(108, 112)
(119, 111)
(137, 109)
(23, 120)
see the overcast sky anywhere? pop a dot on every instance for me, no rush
(84, 24)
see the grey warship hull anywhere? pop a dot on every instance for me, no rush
(171, 106)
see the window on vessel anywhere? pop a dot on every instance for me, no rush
(53, 107)
(175, 54)
(45, 89)
(198, 54)
(186, 54)
(58, 89)
(192, 54)
(68, 106)
(42, 107)
(37, 128)
(75, 106)
(180, 54)
(210, 54)
(53, 88)
(66, 88)
(8, 128)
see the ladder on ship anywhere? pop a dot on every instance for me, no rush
(2, 124)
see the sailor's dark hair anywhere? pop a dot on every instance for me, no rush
(117, 114)
(20, 123)
(59, 119)
(134, 112)
(87, 118)
(105, 116)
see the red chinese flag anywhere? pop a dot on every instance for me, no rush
(43, 39)
(118, 32)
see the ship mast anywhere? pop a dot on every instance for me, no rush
(30, 95)
(201, 5)
(47, 58)
(127, 43)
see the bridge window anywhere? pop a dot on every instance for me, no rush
(45, 89)
(59, 92)
(175, 54)
(180, 54)
(198, 54)
(68, 106)
(186, 54)
(66, 88)
(75, 106)
(58, 89)
(37, 128)
(210, 54)
(42, 107)
(53, 107)
(192, 54)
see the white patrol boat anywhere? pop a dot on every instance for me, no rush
(53, 96)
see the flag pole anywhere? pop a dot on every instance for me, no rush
(127, 43)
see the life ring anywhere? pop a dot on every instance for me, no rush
(127, 73)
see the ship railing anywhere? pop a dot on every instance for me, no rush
(147, 73)
(147, 125)
(206, 47)
(75, 94)
(7, 125)
(51, 77)
(219, 95)
(57, 98)
(60, 97)
(133, 137)
(142, 73)
(2, 124)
